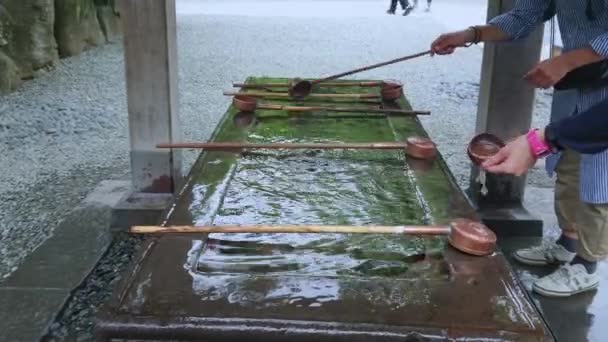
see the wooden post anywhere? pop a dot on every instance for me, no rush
(151, 73)
(505, 108)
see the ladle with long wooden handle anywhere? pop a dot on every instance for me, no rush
(467, 236)
(303, 88)
(318, 96)
(416, 147)
(326, 84)
(246, 103)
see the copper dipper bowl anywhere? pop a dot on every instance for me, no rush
(484, 146)
(471, 237)
(391, 84)
(245, 103)
(300, 88)
(391, 90)
(421, 148)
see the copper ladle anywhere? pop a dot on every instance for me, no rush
(261, 94)
(463, 234)
(302, 88)
(415, 147)
(483, 147)
(247, 103)
(362, 84)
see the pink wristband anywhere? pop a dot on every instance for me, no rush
(538, 147)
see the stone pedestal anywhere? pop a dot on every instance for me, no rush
(505, 108)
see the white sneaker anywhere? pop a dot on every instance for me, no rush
(566, 281)
(546, 254)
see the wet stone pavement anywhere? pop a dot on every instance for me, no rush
(64, 132)
(578, 318)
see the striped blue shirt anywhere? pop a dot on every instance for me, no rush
(577, 31)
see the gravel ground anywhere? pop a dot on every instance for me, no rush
(59, 136)
(63, 133)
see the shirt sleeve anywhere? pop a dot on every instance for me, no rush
(586, 132)
(525, 16)
(600, 43)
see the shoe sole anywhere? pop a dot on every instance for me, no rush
(548, 293)
(532, 262)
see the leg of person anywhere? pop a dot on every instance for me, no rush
(567, 205)
(407, 7)
(428, 5)
(581, 274)
(393, 7)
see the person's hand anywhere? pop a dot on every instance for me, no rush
(548, 72)
(447, 43)
(514, 159)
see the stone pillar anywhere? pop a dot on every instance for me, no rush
(151, 73)
(505, 108)
(151, 77)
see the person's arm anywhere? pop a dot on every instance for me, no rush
(515, 24)
(549, 72)
(586, 132)
(598, 47)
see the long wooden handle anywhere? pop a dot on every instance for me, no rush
(327, 84)
(373, 66)
(287, 108)
(276, 146)
(413, 230)
(286, 95)
(342, 109)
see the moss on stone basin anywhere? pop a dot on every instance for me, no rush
(350, 187)
(319, 286)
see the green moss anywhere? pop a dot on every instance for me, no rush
(382, 268)
(327, 187)
(27, 30)
(76, 26)
(9, 74)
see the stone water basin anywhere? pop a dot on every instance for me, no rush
(276, 287)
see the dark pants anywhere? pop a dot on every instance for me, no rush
(404, 4)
